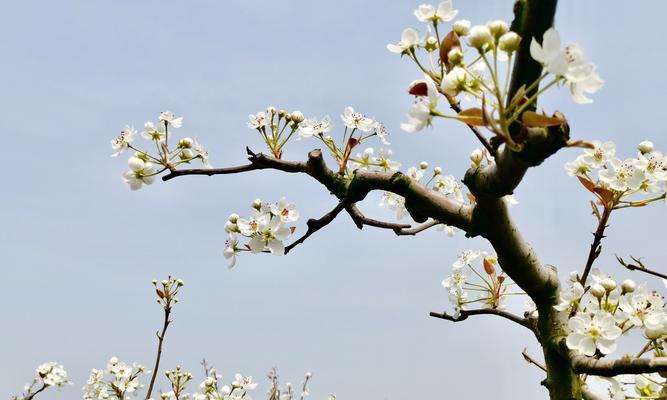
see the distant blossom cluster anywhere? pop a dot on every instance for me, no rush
(48, 375)
(144, 166)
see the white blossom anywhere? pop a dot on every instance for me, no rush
(444, 12)
(589, 332)
(355, 120)
(409, 39)
(123, 140)
(140, 173)
(167, 117)
(312, 126)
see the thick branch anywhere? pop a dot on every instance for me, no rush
(606, 367)
(484, 311)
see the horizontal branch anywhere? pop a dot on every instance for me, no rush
(613, 367)
(641, 267)
(484, 311)
(416, 230)
(360, 220)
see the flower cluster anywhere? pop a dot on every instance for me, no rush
(467, 63)
(118, 381)
(144, 166)
(266, 228)
(178, 379)
(278, 126)
(643, 386)
(213, 388)
(614, 180)
(166, 291)
(606, 311)
(492, 288)
(50, 374)
(277, 393)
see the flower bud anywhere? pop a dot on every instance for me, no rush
(476, 157)
(257, 204)
(480, 37)
(509, 42)
(233, 218)
(437, 171)
(423, 165)
(328, 139)
(225, 390)
(308, 375)
(608, 284)
(628, 286)
(455, 56)
(180, 282)
(461, 27)
(281, 113)
(271, 110)
(297, 116)
(231, 227)
(597, 290)
(431, 44)
(288, 117)
(185, 143)
(645, 147)
(498, 28)
(186, 154)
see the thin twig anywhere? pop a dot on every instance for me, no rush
(360, 220)
(595, 250)
(416, 230)
(160, 336)
(315, 225)
(641, 267)
(484, 311)
(531, 360)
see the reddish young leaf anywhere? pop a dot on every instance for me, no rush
(472, 116)
(533, 119)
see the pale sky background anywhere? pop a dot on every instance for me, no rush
(79, 249)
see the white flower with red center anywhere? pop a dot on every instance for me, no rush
(123, 140)
(654, 165)
(285, 210)
(355, 120)
(249, 227)
(589, 332)
(52, 374)
(569, 63)
(141, 173)
(466, 258)
(409, 39)
(598, 156)
(312, 126)
(381, 132)
(623, 175)
(167, 117)
(258, 121)
(243, 382)
(269, 236)
(444, 12)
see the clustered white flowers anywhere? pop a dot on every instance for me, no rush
(619, 182)
(118, 381)
(472, 63)
(606, 311)
(50, 374)
(143, 165)
(468, 284)
(266, 228)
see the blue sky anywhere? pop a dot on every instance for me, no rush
(79, 249)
